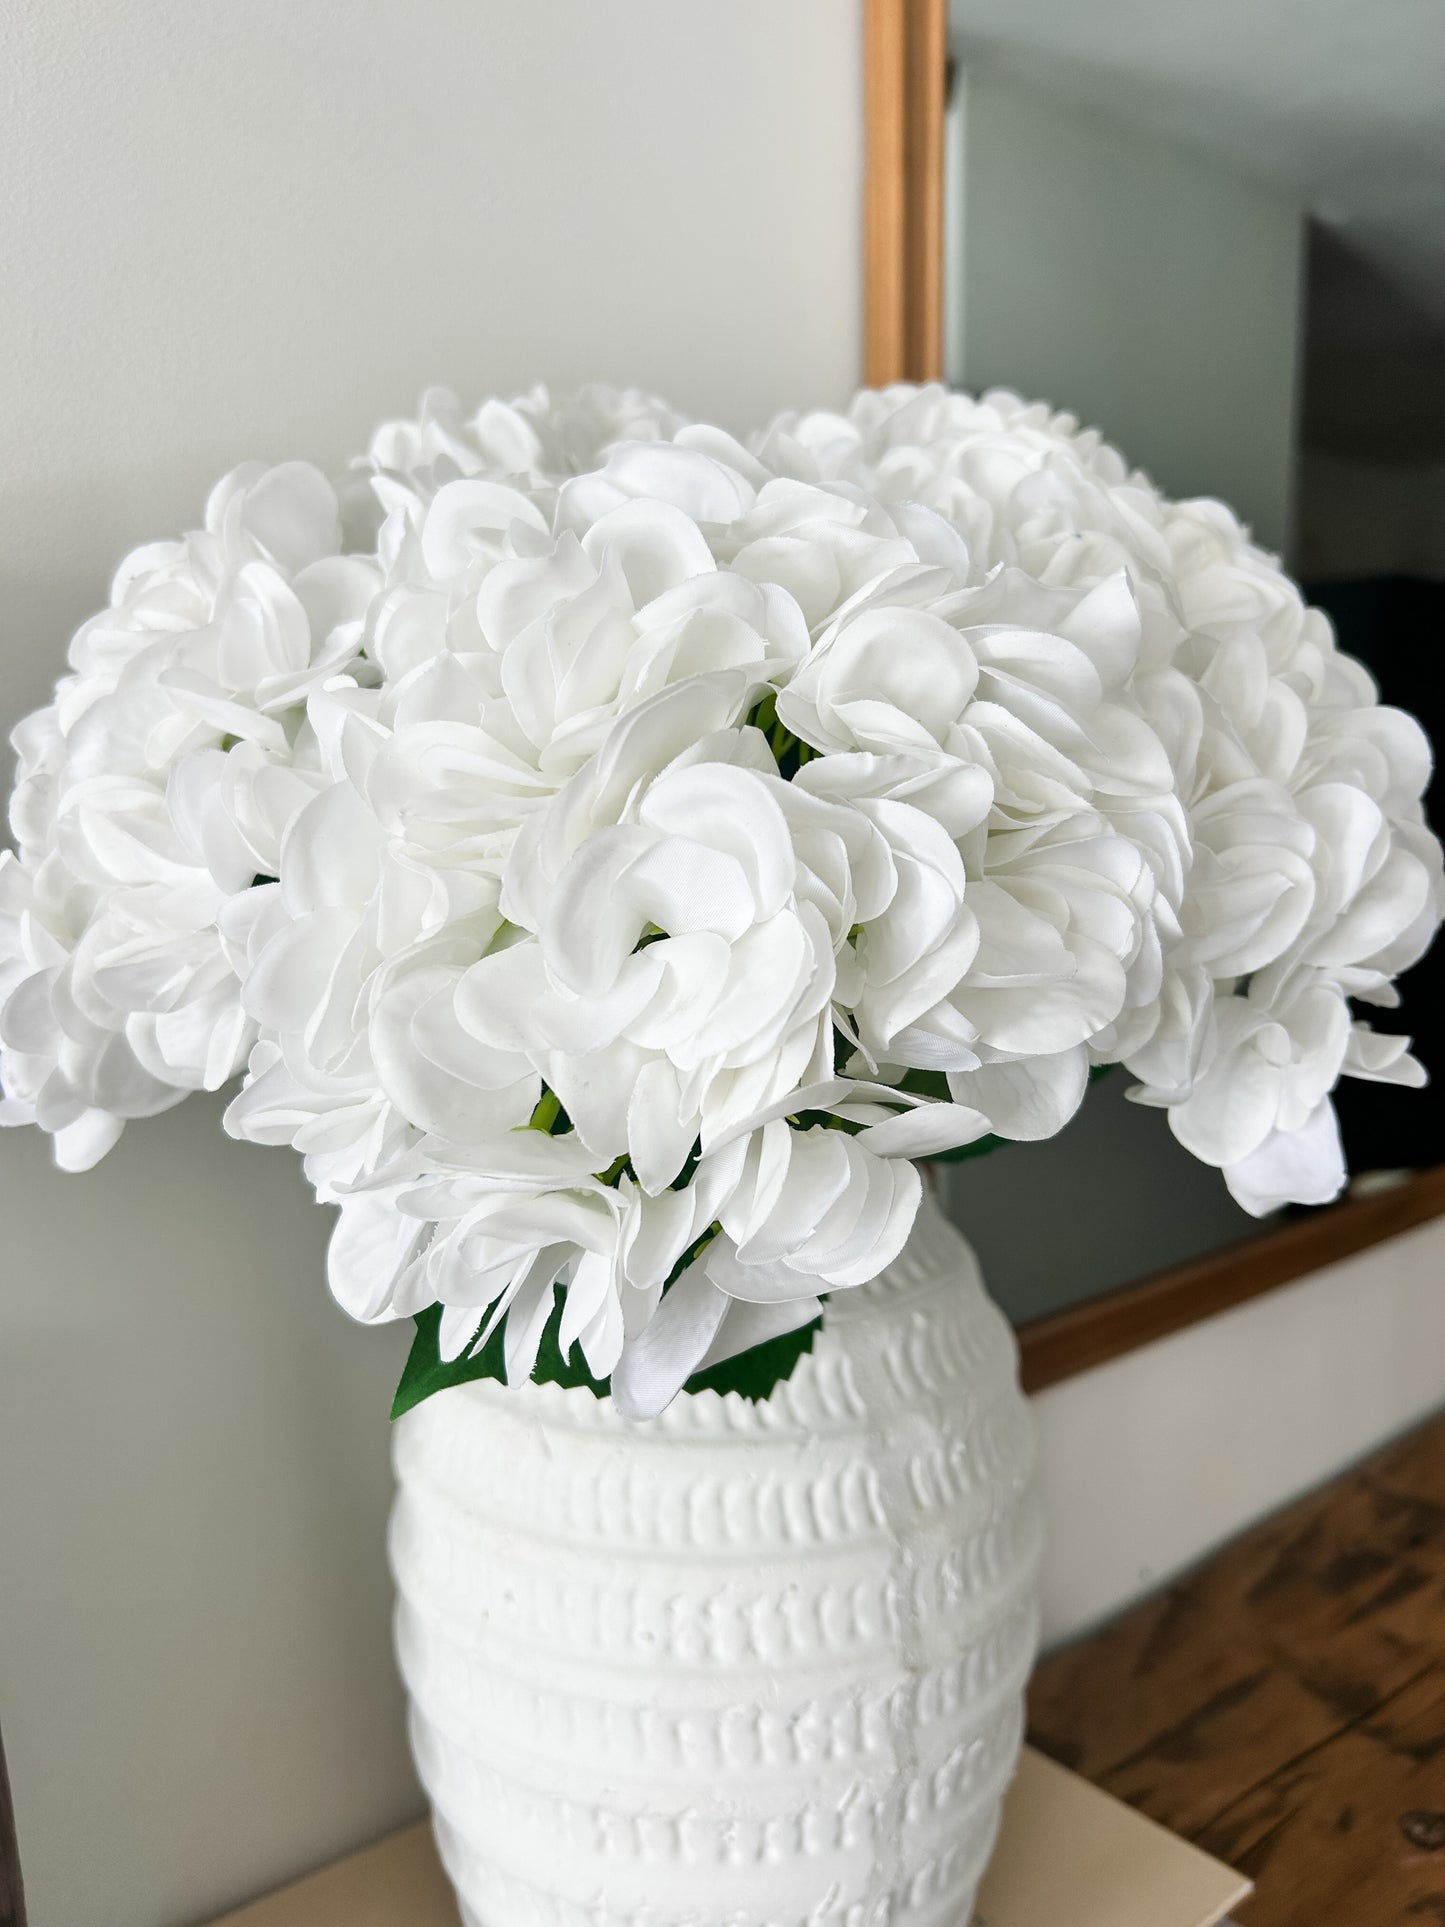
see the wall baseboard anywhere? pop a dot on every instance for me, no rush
(1151, 1461)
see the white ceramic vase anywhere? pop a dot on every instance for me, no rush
(746, 1665)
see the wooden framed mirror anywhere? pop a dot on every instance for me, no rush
(1021, 234)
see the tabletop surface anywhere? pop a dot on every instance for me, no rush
(1284, 1706)
(1067, 1853)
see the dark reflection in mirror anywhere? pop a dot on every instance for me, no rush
(1112, 1198)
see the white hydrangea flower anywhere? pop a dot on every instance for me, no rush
(1314, 882)
(637, 848)
(1303, 840)
(530, 436)
(543, 658)
(151, 795)
(1021, 484)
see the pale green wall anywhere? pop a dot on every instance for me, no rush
(1146, 289)
(252, 230)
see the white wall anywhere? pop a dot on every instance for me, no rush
(1154, 1459)
(1148, 290)
(251, 229)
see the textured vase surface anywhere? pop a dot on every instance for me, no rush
(745, 1665)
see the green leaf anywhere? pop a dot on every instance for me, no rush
(427, 1371)
(752, 1374)
(788, 752)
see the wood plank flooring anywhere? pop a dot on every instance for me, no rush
(1284, 1706)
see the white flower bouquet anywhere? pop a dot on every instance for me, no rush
(614, 855)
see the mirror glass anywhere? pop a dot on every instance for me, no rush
(1190, 239)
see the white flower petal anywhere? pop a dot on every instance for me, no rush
(1032, 1098)
(658, 1362)
(1306, 1166)
(371, 1246)
(923, 1132)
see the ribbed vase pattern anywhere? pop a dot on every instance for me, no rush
(746, 1665)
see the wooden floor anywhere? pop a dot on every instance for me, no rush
(1285, 1705)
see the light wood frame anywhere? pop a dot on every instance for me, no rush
(906, 93)
(905, 85)
(1098, 1329)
